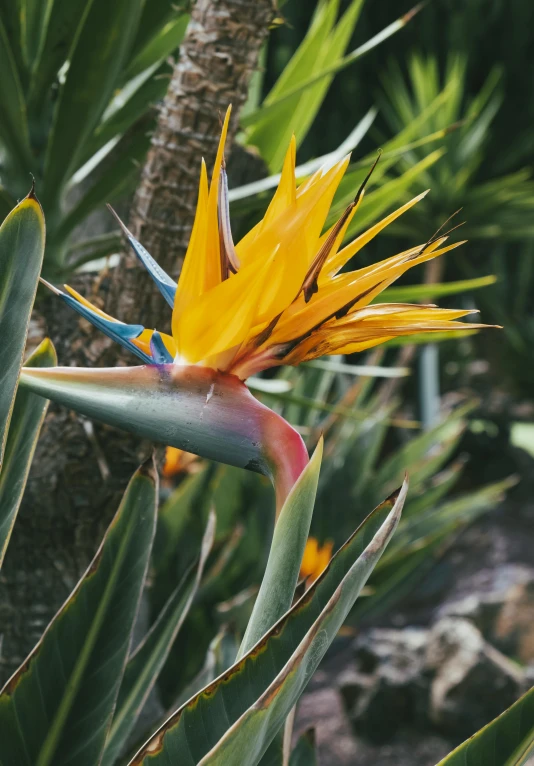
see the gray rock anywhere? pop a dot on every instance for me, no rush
(323, 709)
(386, 690)
(472, 682)
(501, 605)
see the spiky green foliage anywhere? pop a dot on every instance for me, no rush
(78, 81)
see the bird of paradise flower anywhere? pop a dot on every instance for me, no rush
(277, 297)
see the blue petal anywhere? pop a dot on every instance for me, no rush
(160, 353)
(165, 284)
(117, 331)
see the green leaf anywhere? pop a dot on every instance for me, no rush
(35, 15)
(22, 239)
(66, 18)
(13, 124)
(154, 16)
(417, 450)
(507, 741)
(126, 109)
(305, 753)
(10, 18)
(89, 84)
(176, 516)
(118, 176)
(380, 199)
(323, 45)
(57, 707)
(248, 704)
(430, 292)
(220, 655)
(28, 415)
(287, 549)
(166, 40)
(145, 664)
(297, 102)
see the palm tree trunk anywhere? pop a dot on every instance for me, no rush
(217, 59)
(80, 469)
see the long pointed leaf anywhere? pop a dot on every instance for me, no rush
(258, 691)
(145, 664)
(409, 293)
(305, 752)
(13, 123)
(22, 240)
(287, 548)
(56, 708)
(99, 51)
(507, 741)
(66, 17)
(28, 415)
(248, 738)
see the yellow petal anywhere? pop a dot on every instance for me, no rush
(294, 238)
(286, 192)
(201, 270)
(284, 197)
(338, 260)
(89, 305)
(369, 282)
(213, 257)
(222, 317)
(143, 342)
(192, 277)
(350, 339)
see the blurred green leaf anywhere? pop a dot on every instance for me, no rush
(305, 753)
(166, 40)
(295, 99)
(146, 662)
(22, 240)
(325, 42)
(155, 15)
(13, 124)
(418, 450)
(175, 516)
(411, 293)
(34, 16)
(117, 178)
(28, 414)
(10, 19)
(64, 25)
(89, 84)
(127, 108)
(57, 707)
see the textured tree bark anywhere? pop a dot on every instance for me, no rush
(217, 60)
(81, 469)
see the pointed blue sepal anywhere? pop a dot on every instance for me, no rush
(164, 283)
(117, 331)
(160, 353)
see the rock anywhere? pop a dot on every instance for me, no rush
(502, 608)
(386, 690)
(323, 709)
(472, 682)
